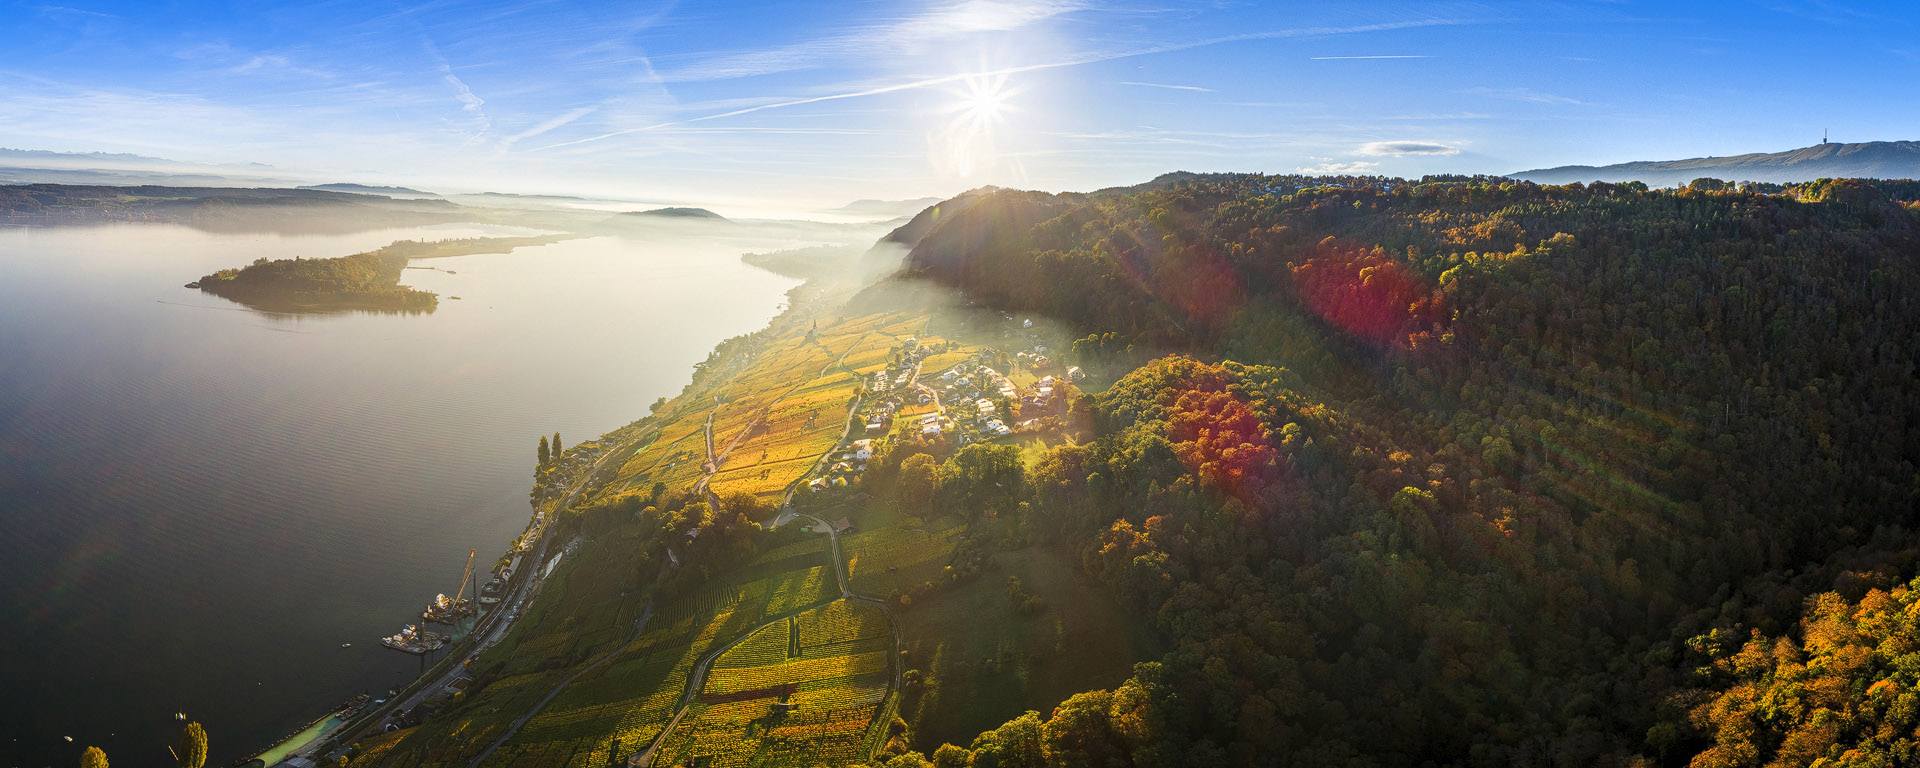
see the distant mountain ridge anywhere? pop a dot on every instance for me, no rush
(886, 208)
(1865, 160)
(369, 189)
(92, 157)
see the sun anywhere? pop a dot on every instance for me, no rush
(983, 102)
(979, 109)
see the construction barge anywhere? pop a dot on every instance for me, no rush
(448, 610)
(415, 639)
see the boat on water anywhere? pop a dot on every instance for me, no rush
(490, 594)
(415, 639)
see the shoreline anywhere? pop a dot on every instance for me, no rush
(526, 583)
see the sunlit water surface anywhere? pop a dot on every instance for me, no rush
(199, 503)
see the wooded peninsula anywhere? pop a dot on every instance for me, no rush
(361, 281)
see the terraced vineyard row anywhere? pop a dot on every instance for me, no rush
(794, 671)
(817, 682)
(754, 734)
(816, 545)
(624, 706)
(883, 560)
(860, 687)
(840, 621)
(798, 589)
(847, 647)
(767, 645)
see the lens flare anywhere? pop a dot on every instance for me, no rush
(964, 144)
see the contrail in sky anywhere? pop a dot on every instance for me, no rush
(937, 81)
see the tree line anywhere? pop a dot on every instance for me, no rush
(192, 752)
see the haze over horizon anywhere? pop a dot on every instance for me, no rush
(789, 102)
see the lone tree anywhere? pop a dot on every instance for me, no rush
(93, 758)
(556, 446)
(544, 455)
(193, 747)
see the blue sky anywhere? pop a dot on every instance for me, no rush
(812, 103)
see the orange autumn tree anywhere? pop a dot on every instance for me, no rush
(1220, 439)
(1846, 692)
(1201, 415)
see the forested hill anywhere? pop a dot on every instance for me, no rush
(1867, 159)
(218, 208)
(1462, 469)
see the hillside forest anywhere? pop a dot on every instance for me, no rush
(1470, 471)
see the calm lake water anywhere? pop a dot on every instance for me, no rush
(201, 503)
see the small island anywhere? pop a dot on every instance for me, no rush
(677, 213)
(363, 281)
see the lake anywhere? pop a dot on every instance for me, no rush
(201, 503)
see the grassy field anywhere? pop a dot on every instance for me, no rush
(829, 664)
(985, 664)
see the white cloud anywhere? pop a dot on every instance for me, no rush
(1397, 148)
(468, 101)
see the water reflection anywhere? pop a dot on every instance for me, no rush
(204, 502)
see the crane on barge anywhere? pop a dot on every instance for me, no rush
(446, 610)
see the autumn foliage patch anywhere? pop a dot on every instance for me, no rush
(1217, 436)
(1368, 295)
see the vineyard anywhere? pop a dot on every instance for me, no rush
(783, 441)
(800, 670)
(840, 621)
(884, 560)
(611, 714)
(819, 680)
(767, 645)
(794, 590)
(812, 545)
(621, 707)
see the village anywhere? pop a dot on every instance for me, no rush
(961, 403)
